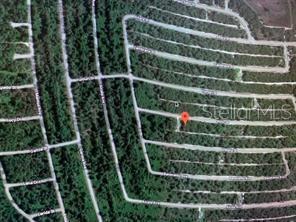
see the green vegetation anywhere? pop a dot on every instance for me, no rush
(26, 167)
(176, 166)
(178, 20)
(162, 129)
(179, 8)
(273, 77)
(191, 51)
(13, 71)
(14, 136)
(222, 18)
(269, 197)
(110, 33)
(141, 60)
(99, 157)
(35, 198)
(50, 71)
(151, 95)
(165, 73)
(7, 212)
(216, 215)
(157, 98)
(72, 185)
(207, 2)
(13, 11)
(136, 25)
(15, 78)
(17, 103)
(213, 157)
(100, 160)
(80, 39)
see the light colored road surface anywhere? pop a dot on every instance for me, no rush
(72, 106)
(234, 94)
(131, 78)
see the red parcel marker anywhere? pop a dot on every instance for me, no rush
(185, 117)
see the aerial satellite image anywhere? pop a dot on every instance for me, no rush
(147, 111)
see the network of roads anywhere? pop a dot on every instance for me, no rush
(138, 110)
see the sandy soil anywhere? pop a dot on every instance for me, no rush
(272, 12)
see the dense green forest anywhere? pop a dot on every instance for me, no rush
(17, 103)
(72, 184)
(29, 167)
(80, 39)
(35, 198)
(100, 158)
(14, 136)
(50, 71)
(164, 70)
(7, 212)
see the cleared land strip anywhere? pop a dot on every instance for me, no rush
(216, 121)
(215, 177)
(36, 150)
(259, 219)
(226, 136)
(192, 169)
(226, 11)
(208, 63)
(196, 52)
(208, 35)
(240, 192)
(203, 48)
(224, 164)
(28, 183)
(194, 18)
(29, 86)
(214, 106)
(220, 149)
(84, 79)
(39, 214)
(173, 16)
(218, 78)
(203, 91)
(19, 119)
